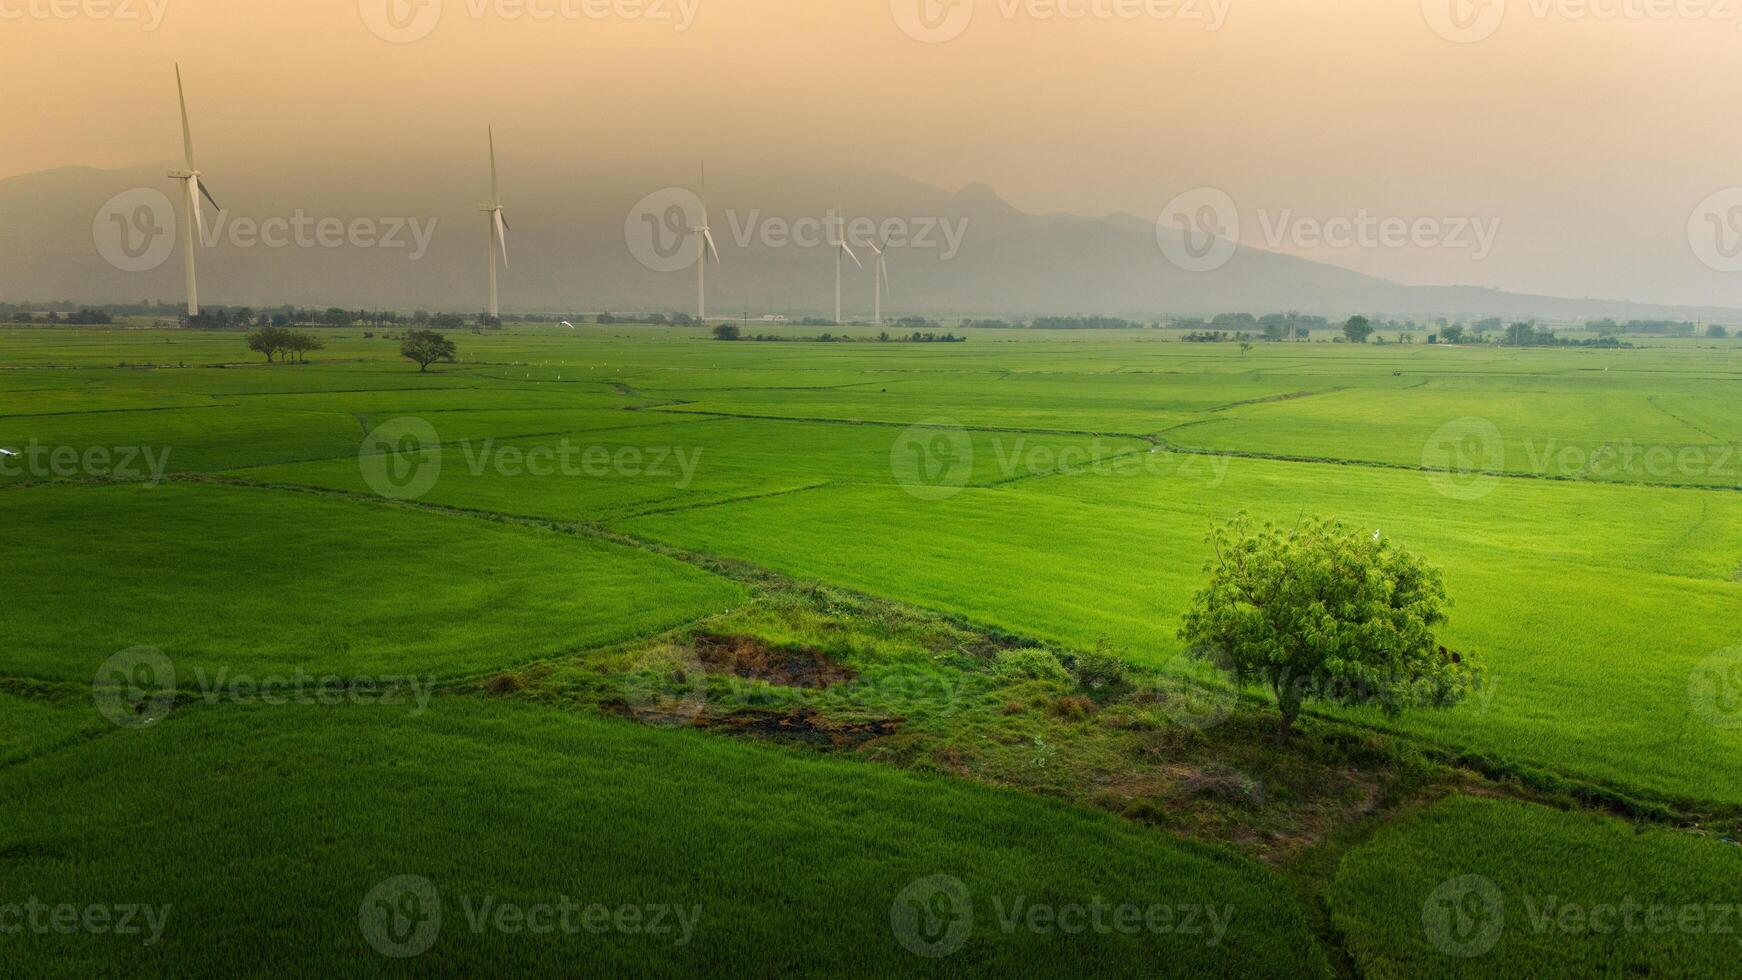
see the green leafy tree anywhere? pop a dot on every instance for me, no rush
(726, 331)
(1358, 329)
(427, 347)
(1326, 613)
(269, 341)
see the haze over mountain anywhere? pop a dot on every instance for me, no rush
(972, 254)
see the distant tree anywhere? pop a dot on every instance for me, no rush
(1325, 612)
(1358, 329)
(270, 341)
(302, 344)
(427, 347)
(726, 331)
(1717, 332)
(1453, 334)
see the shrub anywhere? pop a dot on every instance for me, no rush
(1032, 664)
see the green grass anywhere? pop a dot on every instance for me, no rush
(279, 821)
(1595, 606)
(1484, 888)
(255, 581)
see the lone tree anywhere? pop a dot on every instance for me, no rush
(427, 347)
(1324, 612)
(269, 341)
(1358, 329)
(302, 344)
(727, 331)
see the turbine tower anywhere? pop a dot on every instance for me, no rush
(842, 248)
(498, 228)
(705, 244)
(192, 220)
(882, 278)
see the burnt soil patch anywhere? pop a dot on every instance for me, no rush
(752, 659)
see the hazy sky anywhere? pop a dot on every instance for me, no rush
(1584, 133)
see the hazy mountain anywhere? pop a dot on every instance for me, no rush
(974, 254)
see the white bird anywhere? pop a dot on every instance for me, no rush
(568, 324)
(1376, 535)
(193, 222)
(9, 452)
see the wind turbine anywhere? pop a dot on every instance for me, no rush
(192, 219)
(705, 244)
(842, 248)
(498, 228)
(882, 278)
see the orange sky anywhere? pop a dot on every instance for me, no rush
(1590, 139)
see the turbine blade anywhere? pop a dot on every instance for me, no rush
(495, 195)
(710, 239)
(193, 189)
(187, 134)
(502, 236)
(208, 194)
(849, 250)
(885, 267)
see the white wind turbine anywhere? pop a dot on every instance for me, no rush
(705, 245)
(192, 220)
(498, 228)
(882, 278)
(842, 248)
